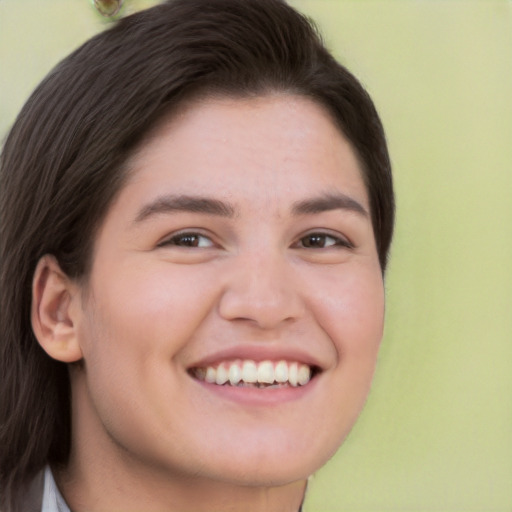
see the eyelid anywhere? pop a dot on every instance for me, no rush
(169, 239)
(341, 240)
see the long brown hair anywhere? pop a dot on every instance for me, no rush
(64, 161)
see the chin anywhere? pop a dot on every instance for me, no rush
(270, 467)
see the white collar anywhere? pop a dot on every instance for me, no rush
(52, 498)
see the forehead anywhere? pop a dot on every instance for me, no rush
(285, 142)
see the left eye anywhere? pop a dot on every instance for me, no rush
(187, 240)
(321, 241)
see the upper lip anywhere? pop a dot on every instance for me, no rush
(262, 351)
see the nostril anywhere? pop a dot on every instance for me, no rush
(264, 306)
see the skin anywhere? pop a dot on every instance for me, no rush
(147, 435)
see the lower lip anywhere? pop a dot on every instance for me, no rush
(259, 396)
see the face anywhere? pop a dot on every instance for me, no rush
(234, 310)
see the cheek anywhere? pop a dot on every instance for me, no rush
(351, 311)
(136, 323)
(349, 307)
(152, 307)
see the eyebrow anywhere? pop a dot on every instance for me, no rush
(185, 203)
(210, 206)
(327, 202)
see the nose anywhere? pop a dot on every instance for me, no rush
(262, 290)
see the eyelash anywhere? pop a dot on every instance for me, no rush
(322, 237)
(175, 239)
(315, 237)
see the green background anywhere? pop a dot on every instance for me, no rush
(436, 434)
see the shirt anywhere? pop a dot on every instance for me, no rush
(52, 498)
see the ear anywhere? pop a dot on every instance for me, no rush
(55, 301)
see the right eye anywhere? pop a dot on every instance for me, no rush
(187, 239)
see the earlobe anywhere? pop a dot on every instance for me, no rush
(53, 313)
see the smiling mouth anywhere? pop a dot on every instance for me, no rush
(256, 374)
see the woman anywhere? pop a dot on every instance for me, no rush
(196, 211)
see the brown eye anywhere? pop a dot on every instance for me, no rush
(188, 240)
(322, 241)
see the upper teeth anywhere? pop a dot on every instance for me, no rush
(251, 372)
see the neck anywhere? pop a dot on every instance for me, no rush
(106, 489)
